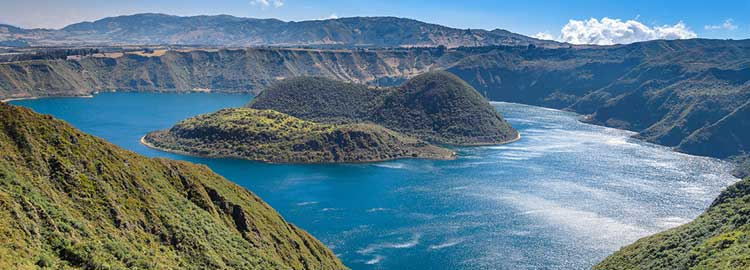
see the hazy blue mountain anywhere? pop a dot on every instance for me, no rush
(5, 28)
(225, 30)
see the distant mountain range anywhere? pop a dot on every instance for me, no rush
(225, 30)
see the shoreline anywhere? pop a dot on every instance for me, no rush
(192, 91)
(147, 144)
(517, 138)
(33, 98)
(178, 152)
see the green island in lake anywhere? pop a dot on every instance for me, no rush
(317, 120)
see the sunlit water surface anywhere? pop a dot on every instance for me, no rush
(563, 197)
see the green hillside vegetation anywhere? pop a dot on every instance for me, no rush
(271, 136)
(320, 99)
(717, 239)
(437, 107)
(440, 107)
(69, 200)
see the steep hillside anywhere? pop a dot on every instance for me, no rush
(720, 138)
(69, 200)
(665, 90)
(717, 239)
(276, 137)
(440, 107)
(223, 70)
(435, 106)
(235, 31)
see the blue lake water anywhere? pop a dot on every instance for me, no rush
(563, 197)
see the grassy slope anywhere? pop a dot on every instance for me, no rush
(69, 200)
(272, 136)
(435, 106)
(717, 239)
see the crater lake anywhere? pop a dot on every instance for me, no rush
(563, 197)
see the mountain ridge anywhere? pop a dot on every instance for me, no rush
(227, 30)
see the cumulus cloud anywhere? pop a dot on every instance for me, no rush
(545, 36)
(727, 25)
(267, 3)
(333, 16)
(609, 31)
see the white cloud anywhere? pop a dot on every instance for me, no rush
(727, 25)
(609, 31)
(267, 3)
(545, 36)
(333, 16)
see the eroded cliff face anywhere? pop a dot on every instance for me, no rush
(248, 70)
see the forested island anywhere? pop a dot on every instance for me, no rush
(315, 119)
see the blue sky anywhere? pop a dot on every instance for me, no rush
(704, 18)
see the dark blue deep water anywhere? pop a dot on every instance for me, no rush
(563, 197)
